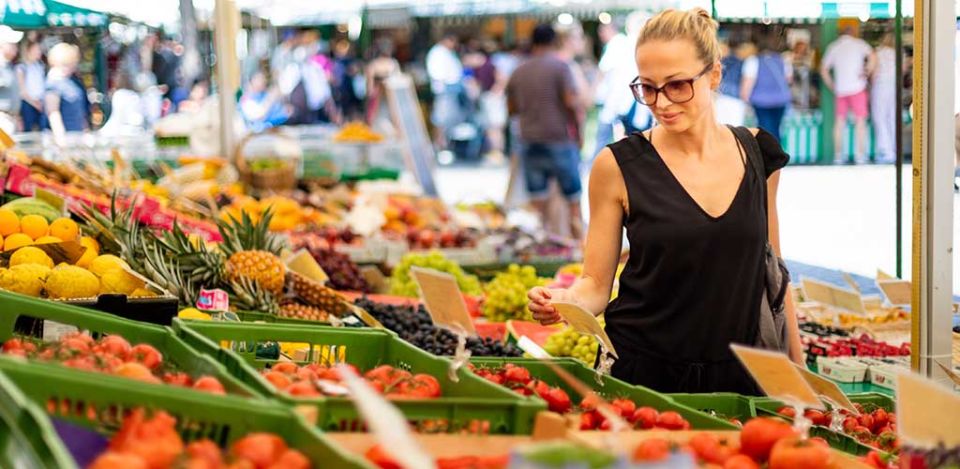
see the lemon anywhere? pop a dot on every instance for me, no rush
(48, 240)
(67, 281)
(193, 313)
(106, 262)
(27, 279)
(93, 250)
(118, 281)
(31, 255)
(142, 293)
(15, 241)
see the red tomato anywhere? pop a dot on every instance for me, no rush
(606, 425)
(114, 345)
(590, 402)
(209, 384)
(206, 451)
(788, 412)
(588, 421)
(626, 407)
(291, 459)
(558, 401)
(794, 453)
(421, 386)
(671, 420)
(760, 434)
(285, 367)
(880, 420)
(849, 424)
(866, 420)
(178, 379)
(114, 460)
(303, 389)
(740, 461)
(645, 418)
(654, 449)
(75, 344)
(146, 355)
(304, 374)
(279, 380)
(12, 345)
(516, 374)
(381, 459)
(262, 449)
(710, 449)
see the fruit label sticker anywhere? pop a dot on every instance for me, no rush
(304, 264)
(830, 295)
(827, 389)
(585, 323)
(928, 414)
(777, 376)
(389, 427)
(213, 300)
(898, 292)
(443, 300)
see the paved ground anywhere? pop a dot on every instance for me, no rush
(835, 217)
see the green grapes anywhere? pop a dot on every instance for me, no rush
(570, 343)
(403, 284)
(506, 295)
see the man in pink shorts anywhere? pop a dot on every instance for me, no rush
(851, 60)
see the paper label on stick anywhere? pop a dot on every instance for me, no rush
(881, 275)
(6, 142)
(55, 200)
(827, 389)
(443, 300)
(898, 292)
(927, 413)
(585, 323)
(66, 251)
(777, 376)
(303, 263)
(841, 298)
(531, 347)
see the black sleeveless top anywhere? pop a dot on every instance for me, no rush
(692, 284)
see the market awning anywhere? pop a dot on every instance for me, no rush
(33, 14)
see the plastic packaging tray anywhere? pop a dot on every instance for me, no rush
(472, 404)
(21, 316)
(611, 388)
(72, 396)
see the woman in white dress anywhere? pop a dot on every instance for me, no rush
(884, 107)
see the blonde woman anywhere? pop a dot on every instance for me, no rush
(693, 207)
(64, 99)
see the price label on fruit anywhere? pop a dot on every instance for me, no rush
(830, 295)
(928, 414)
(443, 300)
(827, 389)
(777, 376)
(584, 322)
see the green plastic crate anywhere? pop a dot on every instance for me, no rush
(611, 388)
(840, 441)
(470, 404)
(27, 439)
(71, 394)
(724, 406)
(174, 350)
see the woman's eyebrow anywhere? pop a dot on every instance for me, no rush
(668, 78)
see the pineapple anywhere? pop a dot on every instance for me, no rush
(248, 295)
(252, 252)
(304, 312)
(315, 294)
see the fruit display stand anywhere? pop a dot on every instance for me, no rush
(74, 397)
(30, 439)
(465, 404)
(19, 309)
(608, 387)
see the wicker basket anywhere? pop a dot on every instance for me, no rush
(281, 178)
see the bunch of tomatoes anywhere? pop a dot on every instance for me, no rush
(309, 381)
(762, 440)
(153, 443)
(520, 380)
(877, 428)
(112, 354)
(379, 458)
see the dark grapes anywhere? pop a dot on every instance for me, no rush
(343, 273)
(415, 326)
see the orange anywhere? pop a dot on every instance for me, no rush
(65, 229)
(34, 226)
(15, 241)
(9, 222)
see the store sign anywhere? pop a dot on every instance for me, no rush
(898, 292)
(928, 414)
(443, 300)
(830, 295)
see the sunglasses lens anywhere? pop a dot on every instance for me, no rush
(679, 91)
(648, 94)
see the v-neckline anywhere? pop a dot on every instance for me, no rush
(686, 193)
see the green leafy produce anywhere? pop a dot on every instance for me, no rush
(506, 294)
(570, 343)
(403, 284)
(568, 455)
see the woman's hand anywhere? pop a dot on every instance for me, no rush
(541, 304)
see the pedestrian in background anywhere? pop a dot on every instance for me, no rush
(382, 67)
(65, 101)
(543, 94)
(570, 45)
(31, 77)
(446, 82)
(883, 101)
(9, 89)
(851, 61)
(766, 86)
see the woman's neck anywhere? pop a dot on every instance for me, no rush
(696, 140)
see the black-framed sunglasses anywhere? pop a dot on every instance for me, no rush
(677, 91)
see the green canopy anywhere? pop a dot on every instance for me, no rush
(33, 14)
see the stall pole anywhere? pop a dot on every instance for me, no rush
(898, 38)
(228, 73)
(933, 149)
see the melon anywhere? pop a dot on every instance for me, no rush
(535, 332)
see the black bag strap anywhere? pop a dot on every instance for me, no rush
(755, 159)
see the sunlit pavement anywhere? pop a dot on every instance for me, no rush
(836, 217)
